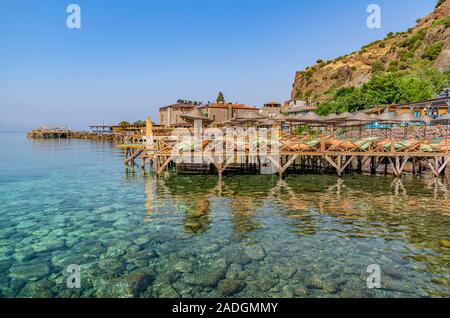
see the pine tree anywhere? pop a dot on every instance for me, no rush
(220, 98)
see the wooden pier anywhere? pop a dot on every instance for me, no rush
(297, 155)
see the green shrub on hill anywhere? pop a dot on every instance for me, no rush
(432, 52)
(377, 67)
(382, 89)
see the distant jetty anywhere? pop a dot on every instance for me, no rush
(65, 133)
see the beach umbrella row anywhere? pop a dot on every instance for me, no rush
(346, 119)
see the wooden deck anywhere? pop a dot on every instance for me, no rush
(300, 155)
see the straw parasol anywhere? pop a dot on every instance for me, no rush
(250, 117)
(331, 118)
(407, 118)
(443, 119)
(149, 131)
(279, 117)
(269, 123)
(311, 117)
(344, 116)
(426, 120)
(360, 119)
(388, 119)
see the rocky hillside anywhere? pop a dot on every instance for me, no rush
(427, 42)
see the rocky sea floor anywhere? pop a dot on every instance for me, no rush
(192, 236)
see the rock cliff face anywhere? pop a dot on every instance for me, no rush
(428, 41)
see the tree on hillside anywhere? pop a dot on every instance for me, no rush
(440, 2)
(220, 98)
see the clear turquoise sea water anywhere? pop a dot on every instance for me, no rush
(72, 202)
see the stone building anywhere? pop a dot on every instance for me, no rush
(270, 110)
(296, 106)
(171, 115)
(220, 112)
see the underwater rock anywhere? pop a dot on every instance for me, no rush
(168, 248)
(441, 281)
(15, 286)
(285, 272)
(234, 271)
(128, 286)
(162, 233)
(29, 271)
(41, 232)
(140, 258)
(64, 259)
(6, 252)
(229, 287)
(24, 254)
(396, 258)
(392, 272)
(38, 289)
(170, 276)
(5, 265)
(398, 287)
(286, 292)
(255, 252)
(111, 265)
(184, 266)
(117, 250)
(300, 291)
(211, 248)
(314, 282)
(142, 239)
(7, 232)
(265, 283)
(236, 255)
(444, 243)
(186, 253)
(168, 292)
(182, 289)
(207, 277)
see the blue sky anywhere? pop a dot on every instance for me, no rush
(131, 57)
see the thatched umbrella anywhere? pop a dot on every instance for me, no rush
(426, 120)
(312, 119)
(293, 119)
(279, 117)
(344, 116)
(249, 118)
(388, 119)
(361, 118)
(407, 118)
(444, 119)
(269, 123)
(149, 132)
(331, 119)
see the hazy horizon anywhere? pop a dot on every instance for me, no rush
(129, 59)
